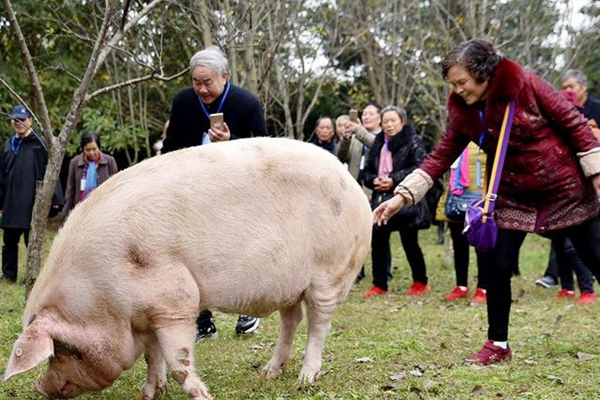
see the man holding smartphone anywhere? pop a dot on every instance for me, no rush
(235, 113)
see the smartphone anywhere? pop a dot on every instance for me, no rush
(216, 121)
(353, 114)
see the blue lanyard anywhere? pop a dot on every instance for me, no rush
(478, 162)
(16, 148)
(220, 105)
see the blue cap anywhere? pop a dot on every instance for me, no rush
(20, 112)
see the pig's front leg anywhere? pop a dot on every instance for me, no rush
(290, 319)
(157, 376)
(319, 322)
(177, 344)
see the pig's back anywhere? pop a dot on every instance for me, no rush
(250, 219)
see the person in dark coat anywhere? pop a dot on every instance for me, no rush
(395, 153)
(189, 125)
(22, 163)
(324, 136)
(550, 183)
(575, 81)
(87, 171)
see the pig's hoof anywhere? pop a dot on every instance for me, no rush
(269, 372)
(159, 391)
(307, 377)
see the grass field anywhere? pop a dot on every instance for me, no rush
(389, 348)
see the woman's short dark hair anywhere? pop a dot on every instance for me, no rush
(478, 57)
(373, 104)
(89, 137)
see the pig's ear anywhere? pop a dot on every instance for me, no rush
(34, 346)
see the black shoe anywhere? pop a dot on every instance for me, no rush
(246, 324)
(7, 279)
(207, 330)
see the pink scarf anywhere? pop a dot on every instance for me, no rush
(386, 164)
(459, 174)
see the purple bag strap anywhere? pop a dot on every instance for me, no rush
(491, 195)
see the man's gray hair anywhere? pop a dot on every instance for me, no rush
(398, 110)
(341, 118)
(577, 74)
(211, 57)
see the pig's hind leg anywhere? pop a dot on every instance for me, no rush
(177, 343)
(290, 319)
(319, 314)
(157, 376)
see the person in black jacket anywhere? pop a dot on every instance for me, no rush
(189, 125)
(396, 153)
(22, 163)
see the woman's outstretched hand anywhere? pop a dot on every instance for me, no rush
(387, 209)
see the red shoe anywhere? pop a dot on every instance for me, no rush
(418, 288)
(566, 294)
(587, 298)
(456, 294)
(489, 354)
(480, 297)
(374, 291)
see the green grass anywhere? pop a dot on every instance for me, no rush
(388, 348)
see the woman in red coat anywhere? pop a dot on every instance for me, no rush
(550, 184)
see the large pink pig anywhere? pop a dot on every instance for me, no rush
(250, 226)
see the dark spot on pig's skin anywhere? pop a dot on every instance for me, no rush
(185, 362)
(179, 376)
(336, 207)
(136, 257)
(33, 317)
(185, 352)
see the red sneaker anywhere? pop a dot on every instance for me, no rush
(418, 288)
(566, 294)
(456, 294)
(587, 298)
(480, 297)
(374, 291)
(489, 354)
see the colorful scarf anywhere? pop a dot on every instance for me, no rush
(91, 178)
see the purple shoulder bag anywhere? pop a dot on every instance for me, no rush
(480, 227)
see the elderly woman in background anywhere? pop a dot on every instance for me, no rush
(325, 135)
(395, 154)
(550, 183)
(87, 171)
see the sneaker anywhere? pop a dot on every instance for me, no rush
(456, 294)
(566, 294)
(547, 282)
(207, 331)
(246, 324)
(587, 298)
(418, 288)
(489, 354)
(374, 291)
(480, 297)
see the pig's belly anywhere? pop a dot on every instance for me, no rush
(250, 298)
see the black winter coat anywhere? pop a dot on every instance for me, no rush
(241, 110)
(18, 175)
(407, 153)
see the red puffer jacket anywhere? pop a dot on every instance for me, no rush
(543, 187)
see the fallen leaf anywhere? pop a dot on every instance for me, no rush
(416, 373)
(429, 384)
(521, 293)
(529, 362)
(584, 356)
(556, 379)
(397, 376)
(478, 390)
(364, 360)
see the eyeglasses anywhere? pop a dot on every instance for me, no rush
(460, 84)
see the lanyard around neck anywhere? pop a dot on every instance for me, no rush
(220, 104)
(16, 148)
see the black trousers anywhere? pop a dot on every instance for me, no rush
(381, 255)
(10, 251)
(461, 249)
(568, 261)
(585, 239)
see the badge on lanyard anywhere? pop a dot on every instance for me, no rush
(82, 185)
